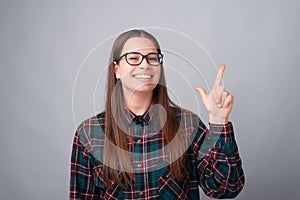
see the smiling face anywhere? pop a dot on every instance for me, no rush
(142, 78)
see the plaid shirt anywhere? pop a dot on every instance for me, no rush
(217, 170)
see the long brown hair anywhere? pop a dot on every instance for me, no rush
(114, 159)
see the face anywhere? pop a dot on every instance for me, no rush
(142, 78)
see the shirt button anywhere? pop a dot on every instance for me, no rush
(139, 165)
(138, 141)
(141, 193)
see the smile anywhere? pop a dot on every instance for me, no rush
(142, 76)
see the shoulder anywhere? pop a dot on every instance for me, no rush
(189, 121)
(91, 128)
(93, 121)
(184, 114)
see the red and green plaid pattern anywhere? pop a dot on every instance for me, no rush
(216, 169)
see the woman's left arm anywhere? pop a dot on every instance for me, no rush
(219, 165)
(220, 170)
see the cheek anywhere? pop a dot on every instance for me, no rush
(158, 72)
(125, 70)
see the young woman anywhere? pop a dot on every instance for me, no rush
(143, 146)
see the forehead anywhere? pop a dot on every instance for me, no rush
(139, 44)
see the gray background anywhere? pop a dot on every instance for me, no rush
(44, 43)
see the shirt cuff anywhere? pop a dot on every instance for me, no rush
(224, 132)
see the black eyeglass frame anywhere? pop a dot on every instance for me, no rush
(160, 58)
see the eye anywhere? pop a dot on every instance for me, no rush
(133, 57)
(153, 57)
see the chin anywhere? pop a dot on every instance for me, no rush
(145, 88)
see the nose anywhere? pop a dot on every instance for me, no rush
(144, 64)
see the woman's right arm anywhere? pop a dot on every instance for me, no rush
(82, 178)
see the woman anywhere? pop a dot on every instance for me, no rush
(143, 146)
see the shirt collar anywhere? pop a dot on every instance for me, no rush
(144, 119)
(151, 120)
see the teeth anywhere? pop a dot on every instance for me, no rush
(143, 76)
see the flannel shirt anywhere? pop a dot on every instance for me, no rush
(216, 169)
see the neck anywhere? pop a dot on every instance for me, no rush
(138, 102)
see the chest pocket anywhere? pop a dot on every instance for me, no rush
(170, 188)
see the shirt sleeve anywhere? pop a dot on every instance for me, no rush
(82, 178)
(219, 165)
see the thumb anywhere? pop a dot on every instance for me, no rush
(201, 91)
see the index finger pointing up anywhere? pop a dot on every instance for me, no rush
(220, 75)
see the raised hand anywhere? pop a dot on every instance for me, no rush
(218, 102)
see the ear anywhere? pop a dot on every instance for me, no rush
(117, 71)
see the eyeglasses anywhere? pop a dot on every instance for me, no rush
(136, 58)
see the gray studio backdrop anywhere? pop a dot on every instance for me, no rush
(45, 43)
